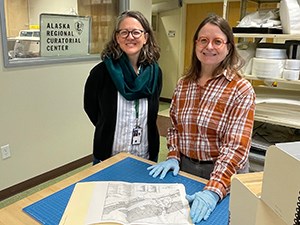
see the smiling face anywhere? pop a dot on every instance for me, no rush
(211, 46)
(131, 45)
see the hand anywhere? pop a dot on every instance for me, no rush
(203, 203)
(163, 167)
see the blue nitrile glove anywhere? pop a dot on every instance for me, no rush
(203, 203)
(163, 167)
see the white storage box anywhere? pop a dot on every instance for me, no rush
(281, 181)
(244, 198)
(246, 206)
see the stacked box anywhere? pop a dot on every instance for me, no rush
(271, 197)
(281, 181)
(266, 216)
(244, 198)
(246, 206)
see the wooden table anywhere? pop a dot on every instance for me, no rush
(13, 214)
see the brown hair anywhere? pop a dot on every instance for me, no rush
(232, 62)
(150, 52)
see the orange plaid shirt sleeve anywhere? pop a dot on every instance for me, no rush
(213, 122)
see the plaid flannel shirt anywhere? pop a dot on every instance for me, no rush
(213, 122)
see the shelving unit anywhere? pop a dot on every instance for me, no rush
(281, 83)
(281, 115)
(274, 36)
(244, 5)
(277, 114)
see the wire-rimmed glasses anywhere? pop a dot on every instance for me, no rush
(216, 42)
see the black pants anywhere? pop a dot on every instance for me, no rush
(202, 169)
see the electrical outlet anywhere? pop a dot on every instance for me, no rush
(5, 151)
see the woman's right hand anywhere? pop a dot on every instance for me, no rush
(163, 167)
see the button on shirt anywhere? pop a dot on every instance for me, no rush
(213, 122)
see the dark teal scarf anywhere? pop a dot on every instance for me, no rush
(126, 80)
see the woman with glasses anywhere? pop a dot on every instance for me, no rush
(212, 114)
(121, 95)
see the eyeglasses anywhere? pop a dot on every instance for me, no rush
(135, 33)
(216, 42)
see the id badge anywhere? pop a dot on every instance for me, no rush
(136, 136)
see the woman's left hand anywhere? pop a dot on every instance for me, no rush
(203, 203)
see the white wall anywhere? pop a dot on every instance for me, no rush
(144, 6)
(172, 48)
(41, 110)
(42, 119)
(41, 115)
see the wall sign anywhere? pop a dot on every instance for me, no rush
(64, 35)
(171, 33)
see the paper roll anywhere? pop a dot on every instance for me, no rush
(270, 53)
(292, 64)
(291, 74)
(267, 68)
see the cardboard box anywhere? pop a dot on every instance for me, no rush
(281, 181)
(246, 206)
(244, 198)
(266, 216)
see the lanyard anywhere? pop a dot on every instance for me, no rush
(136, 106)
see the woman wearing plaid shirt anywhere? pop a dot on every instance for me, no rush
(212, 114)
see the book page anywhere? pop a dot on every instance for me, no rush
(138, 203)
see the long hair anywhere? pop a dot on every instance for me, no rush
(150, 52)
(232, 62)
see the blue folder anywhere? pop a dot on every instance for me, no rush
(49, 210)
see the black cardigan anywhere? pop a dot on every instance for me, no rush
(100, 104)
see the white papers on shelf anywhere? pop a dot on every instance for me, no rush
(260, 100)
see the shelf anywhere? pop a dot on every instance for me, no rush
(283, 115)
(292, 88)
(278, 114)
(264, 1)
(260, 35)
(278, 80)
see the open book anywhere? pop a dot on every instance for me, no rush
(127, 204)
